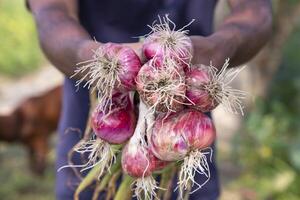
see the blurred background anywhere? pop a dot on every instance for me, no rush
(258, 153)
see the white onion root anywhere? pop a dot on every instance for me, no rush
(220, 89)
(101, 74)
(100, 154)
(145, 188)
(195, 162)
(169, 87)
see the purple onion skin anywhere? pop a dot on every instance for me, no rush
(131, 66)
(137, 163)
(196, 78)
(174, 136)
(128, 61)
(166, 144)
(117, 126)
(198, 129)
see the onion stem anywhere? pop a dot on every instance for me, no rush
(86, 182)
(87, 133)
(223, 93)
(92, 176)
(111, 188)
(124, 191)
(166, 182)
(106, 179)
(140, 130)
(195, 162)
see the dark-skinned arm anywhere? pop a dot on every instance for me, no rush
(63, 40)
(241, 35)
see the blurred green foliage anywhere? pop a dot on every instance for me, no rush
(17, 181)
(269, 146)
(19, 50)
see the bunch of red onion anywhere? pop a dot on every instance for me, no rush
(162, 89)
(173, 95)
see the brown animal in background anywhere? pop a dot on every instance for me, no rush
(32, 123)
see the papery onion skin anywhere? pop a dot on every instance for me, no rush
(128, 62)
(117, 126)
(150, 72)
(138, 163)
(196, 80)
(175, 135)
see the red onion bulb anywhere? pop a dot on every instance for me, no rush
(174, 136)
(162, 86)
(125, 62)
(165, 41)
(113, 68)
(116, 126)
(139, 162)
(201, 90)
(207, 87)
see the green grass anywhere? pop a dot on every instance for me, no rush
(17, 181)
(19, 49)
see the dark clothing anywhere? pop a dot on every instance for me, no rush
(121, 21)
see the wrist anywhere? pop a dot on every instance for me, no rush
(225, 44)
(85, 49)
(215, 48)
